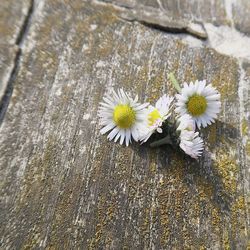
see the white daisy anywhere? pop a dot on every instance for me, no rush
(200, 101)
(123, 116)
(155, 116)
(190, 142)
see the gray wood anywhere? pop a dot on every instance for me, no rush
(227, 12)
(64, 186)
(241, 17)
(215, 12)
(12, 20)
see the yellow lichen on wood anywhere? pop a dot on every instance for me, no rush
(189, 74)
(212, 135)
(152, 162)
(105, 215)
(226, 81)
(158, 86)
(216, 219)
(226, 241)
(228, 171)
(248, 147)
(238, 217)
(244, 126)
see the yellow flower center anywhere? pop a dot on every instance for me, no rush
(197, 105)
(124, 116)
(153, 116)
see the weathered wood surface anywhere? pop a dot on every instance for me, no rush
(64, 186)
(12, 25)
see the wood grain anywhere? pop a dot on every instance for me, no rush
(14, 22)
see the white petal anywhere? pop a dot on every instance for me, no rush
(142, 106)
(122, 136)
(117, 136)
(135, 134)
(213, 97)
(107, 128)
(127, 137)
(113, 133)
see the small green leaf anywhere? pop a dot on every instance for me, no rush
(175, 83)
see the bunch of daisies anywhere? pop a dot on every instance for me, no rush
(173, 121)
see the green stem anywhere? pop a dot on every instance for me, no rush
(175, 83)
(165, 140)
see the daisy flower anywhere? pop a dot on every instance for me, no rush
(190, 142)
(155, 116)
(123, 116)
(200, 101)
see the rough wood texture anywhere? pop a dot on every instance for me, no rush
(12, 18)
(64, 186)
(209, 11)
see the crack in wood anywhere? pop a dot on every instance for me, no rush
(4, 102)
(159, 20)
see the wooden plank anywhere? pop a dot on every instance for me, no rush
(64, 186)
